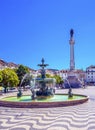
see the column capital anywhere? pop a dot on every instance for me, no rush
(71, 41)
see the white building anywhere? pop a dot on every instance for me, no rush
(90, 74)
(80, 74)
(63, 74)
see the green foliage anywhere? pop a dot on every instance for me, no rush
(9, 78)
(21, 71)
(58, 79)
(1, 78)
(27, 80)
(48, 76)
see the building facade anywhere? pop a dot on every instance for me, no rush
(90, 74)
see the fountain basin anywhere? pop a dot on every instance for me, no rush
(58, 100)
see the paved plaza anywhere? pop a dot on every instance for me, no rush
(78, 117)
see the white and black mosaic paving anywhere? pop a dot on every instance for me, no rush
(79, 117)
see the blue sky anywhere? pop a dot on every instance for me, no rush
(32, 29)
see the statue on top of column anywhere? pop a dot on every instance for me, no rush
(71, 33)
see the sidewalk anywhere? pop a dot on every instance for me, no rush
(79, 117)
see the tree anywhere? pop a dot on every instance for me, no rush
(21, 71)
(27, 80)
(9, 78)
(58, 79)
(48, 76)
(1, 76)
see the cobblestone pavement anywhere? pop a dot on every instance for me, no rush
(78, 117)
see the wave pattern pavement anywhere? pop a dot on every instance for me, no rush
(79, 117)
